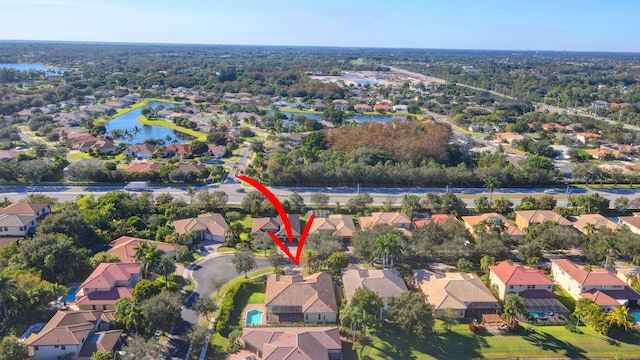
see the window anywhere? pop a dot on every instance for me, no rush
(93, 307)
(35, 348)
(21, 228)
(63, 347)
(306, 316)
(55, 346)
(318, 316)
(6, 228)
(511, 287)
(104, 307)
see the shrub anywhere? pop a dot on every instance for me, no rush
(226, 308)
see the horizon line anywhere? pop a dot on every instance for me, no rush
(91, 42)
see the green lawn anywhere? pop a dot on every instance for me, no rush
(565, 298)
(162, 122)
(78, 155)
(544, 342)
(256, 298)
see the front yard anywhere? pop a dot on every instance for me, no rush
(543, 342)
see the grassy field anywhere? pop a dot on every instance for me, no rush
(256, 298)
(231, 283)
(543, 342)
(162, 122)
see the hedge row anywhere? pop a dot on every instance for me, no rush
(226, 308)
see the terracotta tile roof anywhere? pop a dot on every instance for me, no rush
(454, 290)
(511, 274)
(597, 277)
(341, 224)
(313, 293)
(303, 343)
(436, 218)
(177, 148)
(540, 216)
(510, 228)
(186, 167)
(65, 328)
(600, 298)
(24, 208)
(385, 283)
(633, 221)
(143, 167)
(594, 219)
(125, 247)
(217, 149)
(213, 222)
(107, 274)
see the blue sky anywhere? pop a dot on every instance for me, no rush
(575, 25)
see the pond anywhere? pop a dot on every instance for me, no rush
(125, 124)
(356, 117)
(36, 67)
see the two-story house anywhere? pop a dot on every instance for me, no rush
(309, 299)
(38, 210)
(78, 332)
(599, 285)
(398, 220)
(510, 278)
(106, 284)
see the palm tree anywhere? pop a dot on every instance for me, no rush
(136, 130)
(7, 286)
(388, 247)
(491, 183)
(191, 193)
(515, 306)
(50, 263)
(166, 266)
(149, 256)
(610, 247)
(619, 316)
(132, 317)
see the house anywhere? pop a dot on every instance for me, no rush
(84, 143)
(340, 104)
(592, 222)
(216, 151)
(300, 343)
(106, 284)
(275, 225)
(340, 224)
(17, 225)
(309, 299)
(492, 222)
(142, 167)
(186, 167)
(633, 222)
(38, 210)
(88, 164)
(386, 283)
(552, 126)
(398, 220)
(400, 108)
(435, 218)
(508, 137)
(586, 137)
(599, 285)
(124, 248)
(8, 155)
(465, 293)
(606, 153)
(210, 226)
(526, 218)
(507, 278)
(362, 108)
(140, 151)
(78, 332)
(382, 108)
(176, 149)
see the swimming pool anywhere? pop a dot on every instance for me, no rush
(254, 317)
(636, 315)
(538, 314)
(71, 295)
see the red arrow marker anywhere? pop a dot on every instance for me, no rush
(285, 220)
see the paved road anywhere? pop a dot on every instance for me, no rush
(218, 270)
(340, 194)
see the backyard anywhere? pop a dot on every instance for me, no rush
(460, 343)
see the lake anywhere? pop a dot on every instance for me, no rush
(356, 117)
(129, 120)
(36, 67)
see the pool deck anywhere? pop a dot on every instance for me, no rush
(250, 307)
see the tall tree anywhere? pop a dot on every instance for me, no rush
(412, 313)
(244, 261)
(139, 348)
(166, 266)
(515, 306)
(162, 311)
(7, 286)
(205, 306)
